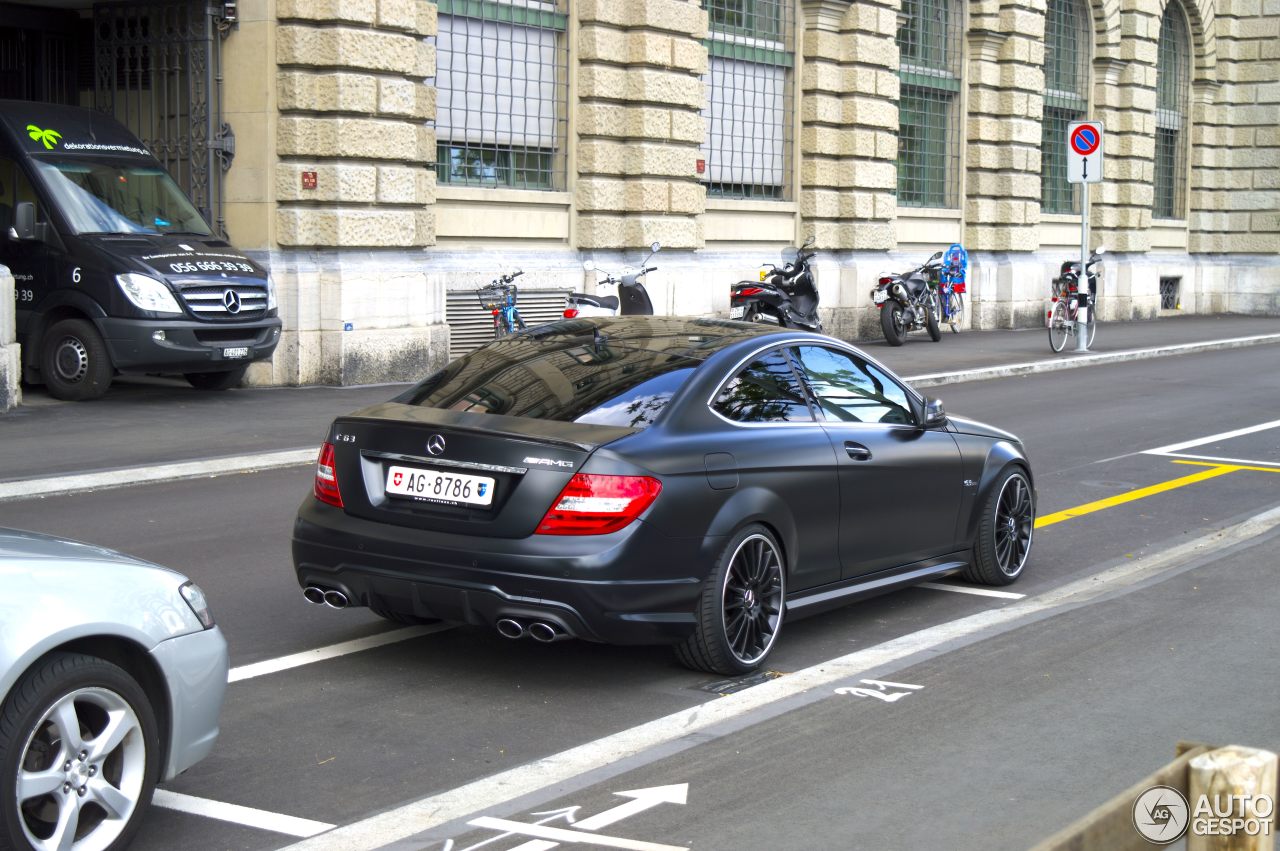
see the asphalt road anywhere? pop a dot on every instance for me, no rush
(1012, 732)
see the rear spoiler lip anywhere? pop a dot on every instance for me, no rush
(586, 438)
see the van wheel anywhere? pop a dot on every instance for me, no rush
(74, 362)
(216, 380)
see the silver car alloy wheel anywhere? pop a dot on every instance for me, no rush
(81, 772)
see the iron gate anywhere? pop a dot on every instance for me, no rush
(157, 69)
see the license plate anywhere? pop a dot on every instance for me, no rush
(437, 486)
(236, 352)
(738, 312)
(879, 297)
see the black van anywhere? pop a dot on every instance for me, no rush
(115, 270)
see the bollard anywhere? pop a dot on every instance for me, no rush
(1232, 792)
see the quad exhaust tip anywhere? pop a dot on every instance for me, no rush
(510, 628)
(314, 594)
(545, 632)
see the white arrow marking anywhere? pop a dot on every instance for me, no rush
(560, 835)
(642, 799)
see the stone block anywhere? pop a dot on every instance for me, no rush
(345, 227)
(676, 16)
(398, 14)
(326, 92)
(646, 85)
(399, 96)
(345, 11)
(597, 156)
(349, 183)
(363, 138)
(344, 47)
(428, 19)
(399, 185)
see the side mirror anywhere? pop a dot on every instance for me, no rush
(936, 256)
(1100, 250)
(655, 247)
(24, 222)
(810, 241)
(934, 415)
(589, 265)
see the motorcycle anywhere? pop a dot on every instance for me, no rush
(786, 295)
(632, 298)
(908, 302)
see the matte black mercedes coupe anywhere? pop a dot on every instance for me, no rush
(641, 480)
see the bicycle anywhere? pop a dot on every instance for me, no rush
(951, 286)
(1062, 316)
(499, 298)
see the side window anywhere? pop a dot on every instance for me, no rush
(14, 188)
(850, 390)
(764, 391)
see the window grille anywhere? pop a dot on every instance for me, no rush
(1066, 99)
(502, 72)
(748, 97)
(1170, 293)
(929, 103)
(1173, 78)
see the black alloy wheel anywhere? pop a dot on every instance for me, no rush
(1004, 531)
(740, 613)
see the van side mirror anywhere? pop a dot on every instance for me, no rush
(934, 414)
(24, 222)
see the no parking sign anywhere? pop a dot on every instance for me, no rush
(1084, 152)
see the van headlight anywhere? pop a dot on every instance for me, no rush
(271, 292)
(148, 293)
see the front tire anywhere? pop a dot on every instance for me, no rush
(1058, 326)
(740, 612)
(216, 381)
(891, 323)
(957, 312)
(1005, 528)
(931, 319)
(79, 755)
(74, 362)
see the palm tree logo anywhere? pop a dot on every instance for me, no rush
(49, 137)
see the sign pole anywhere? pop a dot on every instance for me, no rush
(1083, 316)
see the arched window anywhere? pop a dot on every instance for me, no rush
(1173, 81)
(1066, 99)
(929, 103)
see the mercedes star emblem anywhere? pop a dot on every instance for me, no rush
(435, 445)
(231, 299)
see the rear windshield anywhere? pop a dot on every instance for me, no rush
(579, 376)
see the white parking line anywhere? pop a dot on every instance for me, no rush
(1175, 448)
(977, 592)
(537, 776)
(333, 651)
(236, 814)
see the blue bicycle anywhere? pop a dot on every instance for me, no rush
(499, 298)
(951, 286)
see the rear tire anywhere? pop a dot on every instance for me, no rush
(1058, 326)
(88, 723)
(1005, 528)
(74, 362)
(216, 380)
(740, 611)
(957, 312)
(891, 323)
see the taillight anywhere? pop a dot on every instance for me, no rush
(598, 505)
(748, 291)
(327, 477)
(571, 313)
(885, 279)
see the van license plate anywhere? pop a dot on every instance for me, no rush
(236, 352)
(437, 486)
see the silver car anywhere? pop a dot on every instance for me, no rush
(112, 675)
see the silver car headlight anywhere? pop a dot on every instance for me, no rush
(198, 602)
(271, 292)
(148, 293)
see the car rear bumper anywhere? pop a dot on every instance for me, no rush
(195, 674)
(635, 586)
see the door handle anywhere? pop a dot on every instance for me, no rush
(857, 451)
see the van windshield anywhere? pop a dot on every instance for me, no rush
(112, 197)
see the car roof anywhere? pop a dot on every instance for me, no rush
(694, 337)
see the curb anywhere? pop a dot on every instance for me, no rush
(935, 379)
(109, 479)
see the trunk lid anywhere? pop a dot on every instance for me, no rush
(517, 465)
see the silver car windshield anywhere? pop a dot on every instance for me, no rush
(114, 197)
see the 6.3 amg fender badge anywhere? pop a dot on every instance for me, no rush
(435, 445)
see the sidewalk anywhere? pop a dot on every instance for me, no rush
(148, 421)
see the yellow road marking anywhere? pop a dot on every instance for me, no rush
(1275, 469)
(1140, 493)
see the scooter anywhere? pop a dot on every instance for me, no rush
(632, 298)
(786, 295)
(908, 301)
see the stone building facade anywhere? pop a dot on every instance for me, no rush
(345, 109)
